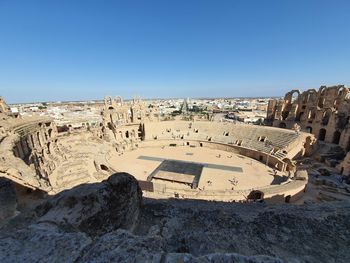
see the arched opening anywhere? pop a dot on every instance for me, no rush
(48, 147)
(285, 114)
(262, 138)
(295, 96)
(341, 91)
(50, 133)
(311, 115)
(322, 134)
(325, 117)
(336, 137)
(308, 129)
(127, 134)
(282, 125)
(255, 195)
(287, 198)
(320, 102)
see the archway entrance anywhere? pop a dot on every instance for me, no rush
(255, 195)
(322, 134)
(336, 137)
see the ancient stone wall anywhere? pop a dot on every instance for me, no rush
(29, 150)
(123, 122)
(324, 112)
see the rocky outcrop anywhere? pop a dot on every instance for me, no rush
(106, 223)
(95, 209)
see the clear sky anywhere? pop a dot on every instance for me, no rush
(77, 50)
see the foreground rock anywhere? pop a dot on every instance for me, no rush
(8, 200)
(106, 223)
(95, 209)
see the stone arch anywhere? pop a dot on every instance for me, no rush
(320, 102)
(322, 134)
(326, 116)
(311, 114)
(119, 99)
(290, 96)
(308, 129)
(336, 137)
(342, 91)
(285, 115)
(50, 133)
(255, 195)
(322, 93)
(310, 95)
(108, 101)
(49, 147)
(287, 198)
(282, 125)
(322, 90)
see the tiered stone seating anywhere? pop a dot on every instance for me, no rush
(261, 138)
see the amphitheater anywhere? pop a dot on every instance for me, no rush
(142, 187)
(222, 161)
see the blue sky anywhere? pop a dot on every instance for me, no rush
(77, 50)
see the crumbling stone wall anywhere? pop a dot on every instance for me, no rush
(324, 113)
(123, 122)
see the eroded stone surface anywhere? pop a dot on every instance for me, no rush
(95, 208)
(104, 223)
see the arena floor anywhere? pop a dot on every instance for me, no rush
(214, 169)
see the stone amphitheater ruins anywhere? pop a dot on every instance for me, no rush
(141, 188)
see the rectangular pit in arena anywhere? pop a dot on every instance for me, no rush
(178, 171)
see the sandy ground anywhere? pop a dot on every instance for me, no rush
(255, 174)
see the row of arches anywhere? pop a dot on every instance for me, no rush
(322, 134)
(313, 95)
(336, 136)
(311, 115)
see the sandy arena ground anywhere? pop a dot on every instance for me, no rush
(255, 174)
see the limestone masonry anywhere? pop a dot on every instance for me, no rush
(132, 176)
